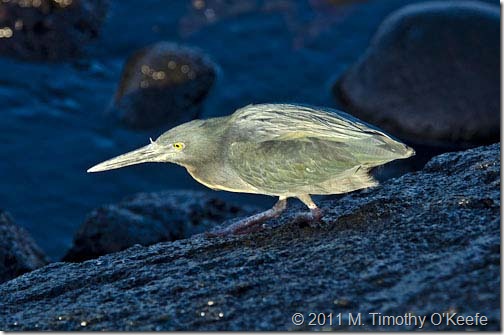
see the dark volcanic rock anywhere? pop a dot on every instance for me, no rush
(163, 85)
(49, 29)
(428, 242)
(431, 75)
(18, 252)
(148, 218)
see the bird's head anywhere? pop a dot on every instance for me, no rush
(181, 145)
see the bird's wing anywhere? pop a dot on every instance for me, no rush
(285, 122)
(267, 122)
(288, 167)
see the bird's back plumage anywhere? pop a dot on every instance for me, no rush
(287, 121)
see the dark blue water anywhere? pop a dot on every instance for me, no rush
(53, 126)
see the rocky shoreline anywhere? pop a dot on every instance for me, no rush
(427, 242)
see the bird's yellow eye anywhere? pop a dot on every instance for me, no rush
(178, 146)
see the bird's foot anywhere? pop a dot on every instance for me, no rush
(251, 224)
(313, 217)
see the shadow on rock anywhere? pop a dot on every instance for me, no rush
(18, 251)
(148, 218)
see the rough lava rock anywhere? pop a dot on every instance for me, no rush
(18, 251)
(427, 242)
(49, 29)
(163, 85)
(148, 218)
(431, 75)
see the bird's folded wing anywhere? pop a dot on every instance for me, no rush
(284, 167)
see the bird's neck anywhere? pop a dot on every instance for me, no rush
(217, 176)
(206, 170)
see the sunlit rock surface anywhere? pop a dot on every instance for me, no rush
(431, 75)
(49, 29)
(148, 218)
(427, 242)
(18, 252)
(163, 85)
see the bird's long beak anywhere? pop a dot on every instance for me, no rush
(149, 153)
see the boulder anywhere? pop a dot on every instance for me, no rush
(163, 85)
(18, 251)
(425, 243)
(431, 75)
(49, 29)
(148, 218)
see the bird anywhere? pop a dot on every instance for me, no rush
(281, 150)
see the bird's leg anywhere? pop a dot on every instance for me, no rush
(315, 213)
(251, 224)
